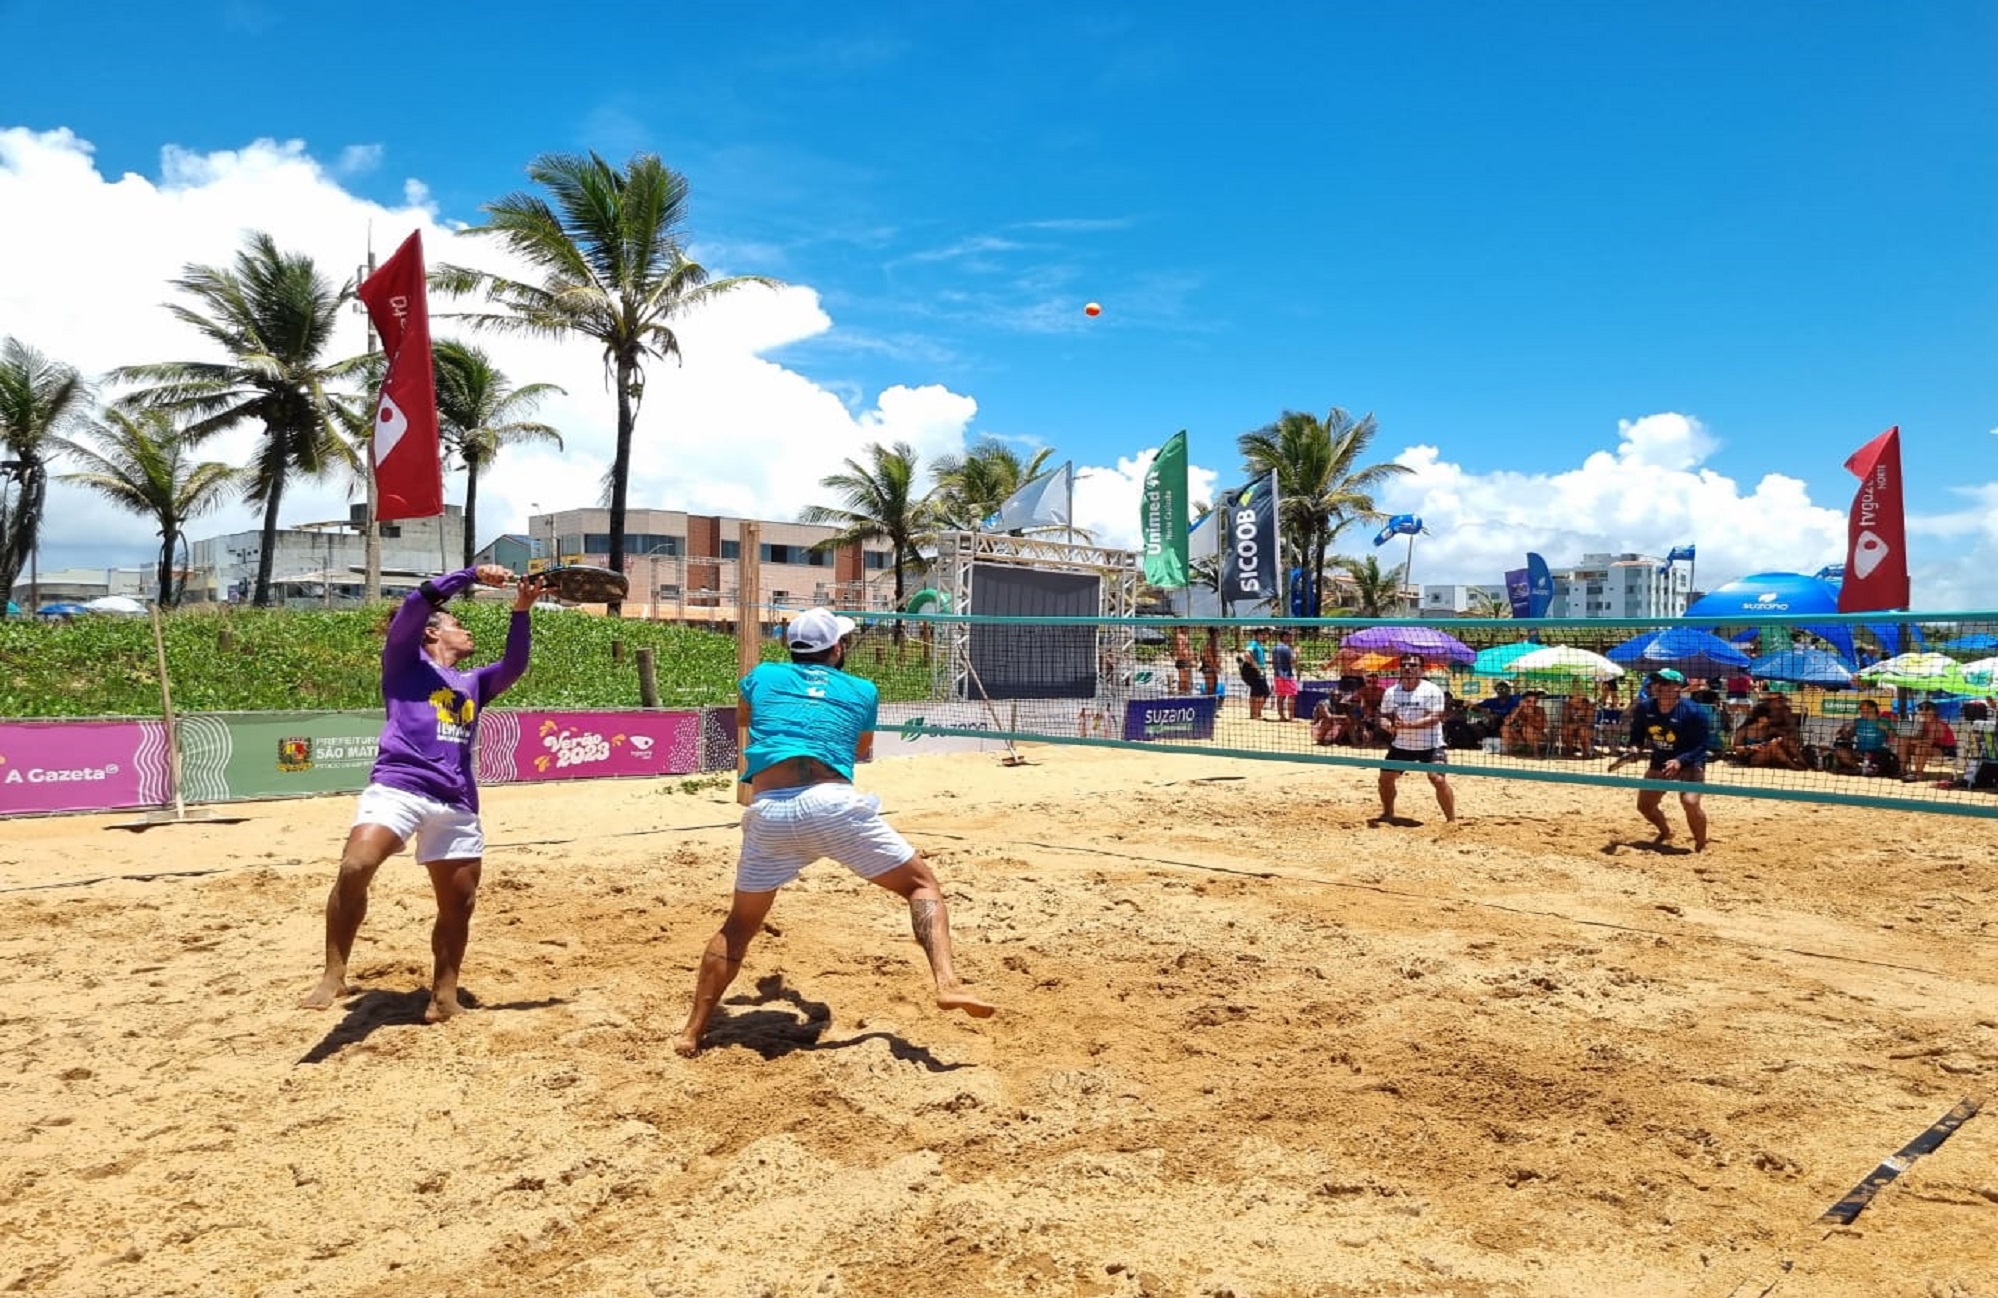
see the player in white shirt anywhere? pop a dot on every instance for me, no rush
(1412, 712)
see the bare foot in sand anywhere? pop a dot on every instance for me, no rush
(442, 1007)
(686, 1047)
(331, 988)
(959, 999)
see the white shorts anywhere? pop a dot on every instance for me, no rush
(441, 833)
(785, 830)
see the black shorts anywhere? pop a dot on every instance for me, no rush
(1259, 684)
(1687, 774)
(1183, 664)
(1427, 756)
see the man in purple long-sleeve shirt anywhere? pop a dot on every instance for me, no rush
(422, 786)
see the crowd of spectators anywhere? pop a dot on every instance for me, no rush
(1752, 724)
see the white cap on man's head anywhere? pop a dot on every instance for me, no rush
(816, 630)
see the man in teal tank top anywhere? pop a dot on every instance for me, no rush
(804, 724)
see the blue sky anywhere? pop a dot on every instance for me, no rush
(1755, 234)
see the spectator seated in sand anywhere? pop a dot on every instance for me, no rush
(1459, 730)
(1360, 724)
(1328, 722)
(1524, 732)
(1930, 737)
(1864, 745)
(1492, 712)
(1578, 725)
(1771, 735)
(1609, 714)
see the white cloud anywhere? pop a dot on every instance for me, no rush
(88, 260)
(1649, 493)
(357, 159)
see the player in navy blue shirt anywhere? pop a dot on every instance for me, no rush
(1672, 732)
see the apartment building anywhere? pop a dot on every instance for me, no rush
(1621, 586)
(683, 567)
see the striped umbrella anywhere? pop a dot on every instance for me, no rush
(1566, 663)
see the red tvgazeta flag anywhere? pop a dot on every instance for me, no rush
(1876, 544)
(408, 461)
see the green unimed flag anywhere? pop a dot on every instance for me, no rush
(1164, 519)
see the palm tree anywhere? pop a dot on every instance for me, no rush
(478, 412)
(879, 503)
(144, 464)
(272, 314)
(614, 270)
(1483, 603)
(971, 487)
(1376, 591)
(1321, 483)
(38, 398)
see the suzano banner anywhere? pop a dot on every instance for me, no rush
(1181, 718)
(81, 766)
(518, 746)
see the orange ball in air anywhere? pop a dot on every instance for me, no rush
(1092, 309)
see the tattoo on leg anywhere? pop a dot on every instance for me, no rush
(923, 918)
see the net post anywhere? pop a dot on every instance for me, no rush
(748, 632)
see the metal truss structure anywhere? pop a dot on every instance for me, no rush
(957, 552)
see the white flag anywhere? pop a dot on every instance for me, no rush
(1041, 503)
(1204, 540)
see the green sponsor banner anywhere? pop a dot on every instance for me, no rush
(276, 754)
(1163, 516)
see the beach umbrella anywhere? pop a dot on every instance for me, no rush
(1427, 641)
(1688, 649)
(1889, 636)
(13, 609)
(1764, 595)
(1497, 661)
(117, 604)
(1803, 667)
(1923, 671)
(62, 610)
(1982, 672)
(1978, 642)
(1567, 663)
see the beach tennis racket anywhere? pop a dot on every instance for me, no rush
(1625, 759)
(581, 583)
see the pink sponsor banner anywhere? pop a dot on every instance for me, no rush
(522, 746)
(81, 766)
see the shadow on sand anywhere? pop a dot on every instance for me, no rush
(773, 1032)
(378, 1009)
(1648, 845)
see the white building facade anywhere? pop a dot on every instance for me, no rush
(1459, 601)
(1622, 587)
(686, 566)
(325, 564)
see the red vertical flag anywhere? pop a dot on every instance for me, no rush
(408, 461)
(1876, 554)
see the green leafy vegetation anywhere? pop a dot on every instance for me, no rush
(259, 660)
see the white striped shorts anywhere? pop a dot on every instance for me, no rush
(785, 830)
